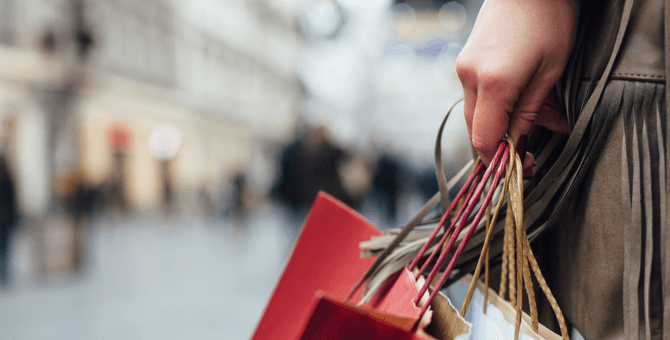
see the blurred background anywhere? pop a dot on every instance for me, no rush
(158, 157)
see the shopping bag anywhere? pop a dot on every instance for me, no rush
(474, 200)
(497, 320)
(494, 317)
(391, 316)
(309, 299)
(506, 320)
(384, 317)
(333, 319)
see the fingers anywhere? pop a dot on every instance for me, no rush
(552, 119)
(506, 100)
(489, 120)
(532, 110)
(469, 102)
(490, 94)
(528, 164)
(486, 114)
(468, 80)
(527, 109)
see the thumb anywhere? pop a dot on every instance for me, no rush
(549, 117)
(546, 114)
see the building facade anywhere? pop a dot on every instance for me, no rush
(221, 72)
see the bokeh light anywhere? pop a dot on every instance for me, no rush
(453, 16)
(403, 17)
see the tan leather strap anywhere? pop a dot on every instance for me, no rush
(632, 234)
(559, 172)
(664, 185)
(439, 170)
(648, 207)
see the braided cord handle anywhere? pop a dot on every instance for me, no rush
(500, 157)
(518, 258)
(517, 263)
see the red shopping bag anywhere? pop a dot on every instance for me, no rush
(333, 319)
(324, 266)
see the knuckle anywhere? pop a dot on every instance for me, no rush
(529, 116)
(498, 85)
(491, 79)
(465, 68)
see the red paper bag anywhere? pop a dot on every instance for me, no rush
(333, 319)
(326, 259)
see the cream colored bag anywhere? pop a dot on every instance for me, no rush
(499, 319)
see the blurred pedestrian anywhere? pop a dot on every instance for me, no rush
(320, 161)
(386, 185)
(8, 208)
(309, 164)
(287, 186)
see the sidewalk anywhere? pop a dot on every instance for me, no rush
(152, 278)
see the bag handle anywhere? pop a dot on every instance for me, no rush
(500, 157)
(448, 234)
(439, 170)
(468, 187)
(520, 261)
(519, 272)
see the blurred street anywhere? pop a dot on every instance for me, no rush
(153, 277)
(158, 157)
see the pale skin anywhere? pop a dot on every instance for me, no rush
(516, 53)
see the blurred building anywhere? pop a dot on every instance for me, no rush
(381, 74)
(221, 72)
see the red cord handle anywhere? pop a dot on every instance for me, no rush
(451, 208)
(451, 227)
(499, 163)
(465, 240)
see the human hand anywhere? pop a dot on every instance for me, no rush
(514, 56)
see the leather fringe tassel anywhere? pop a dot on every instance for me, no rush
(665, 182)
(644, 194)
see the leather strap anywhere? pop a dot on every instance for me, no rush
(577, 134)
(634, 241)
(439, 170)
(647, 106)
(665, 183)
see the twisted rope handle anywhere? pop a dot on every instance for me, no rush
(445, 238)
(485, 247)
(501, 156)
(476, 170)
(525, 258)
(517, 263)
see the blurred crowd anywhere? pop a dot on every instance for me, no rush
(119, 117)
(216, 109)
